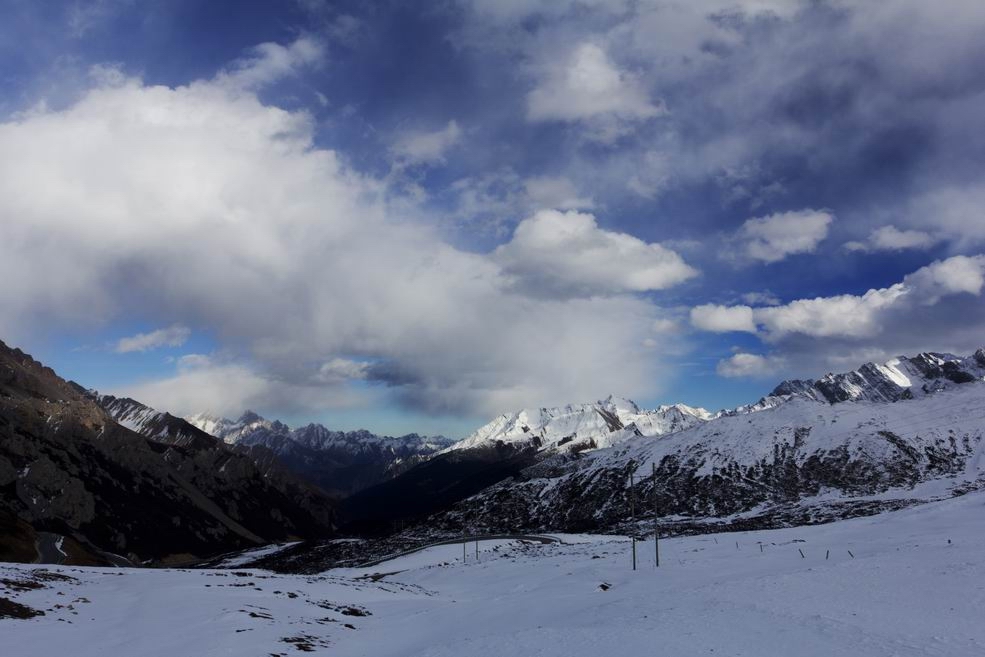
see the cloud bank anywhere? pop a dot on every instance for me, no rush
(203, 204)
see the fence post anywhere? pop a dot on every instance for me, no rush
(632, 515)
(656, 527)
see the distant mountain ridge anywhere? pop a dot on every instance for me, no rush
(566, 468)
(578, 427)
(887, 434)
(342, 462)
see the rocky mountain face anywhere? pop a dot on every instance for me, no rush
(79, 487)
(150, 423)
(899, 378)
(882, 435)
(342, 462)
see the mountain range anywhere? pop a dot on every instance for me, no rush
(340, 462)
(883, 435)
(90, 478)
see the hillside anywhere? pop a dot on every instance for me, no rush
(901, 584)
(80, 487)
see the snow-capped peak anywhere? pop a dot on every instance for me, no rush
(578, 427)
(903, 377)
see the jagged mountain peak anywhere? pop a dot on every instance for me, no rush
(903, 377)
(339, 461)
(249, 417)
(578, 427)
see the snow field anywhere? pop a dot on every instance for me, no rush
(915, 587)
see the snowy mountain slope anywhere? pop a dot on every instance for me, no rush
(339, 461)
(902, 584)
(543, 456)
(771, 461)
(900, 378)
(578, 427)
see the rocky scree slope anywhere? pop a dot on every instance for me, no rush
(94, 491)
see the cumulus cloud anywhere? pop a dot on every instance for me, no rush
(567, 253)
(173, 336)
(891, 238)
(588, 85)
(849, 315)
(956, 275)
(772, 238)
(427, 147)
(203, 204)
(749, 365)
(842, 315)
(722, 319)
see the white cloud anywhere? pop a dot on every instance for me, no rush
(269, 62)
(843, 315)
(722, 319)
(749, 365)
(956, 275)
(665, 325)
(173, 336)
(202, 204)
(340, 370)
(228, 388)
(567, 253)
(849, 315)
(427, 147)
(773, 238)
(890, 238)
(589, 85)
(763, 298)
(559, 193)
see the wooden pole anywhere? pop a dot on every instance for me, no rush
(632, 515)
(656, 527)
(477, 550)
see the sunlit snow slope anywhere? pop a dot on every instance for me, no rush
(904, 584)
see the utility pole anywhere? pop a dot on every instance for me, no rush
(656, 528)
(477, 550)
(632, 515)
(463, 548)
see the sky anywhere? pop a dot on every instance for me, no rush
(416, 216)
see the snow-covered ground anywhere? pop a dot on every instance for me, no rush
(915, 587)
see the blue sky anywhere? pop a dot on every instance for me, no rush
(412, 217)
